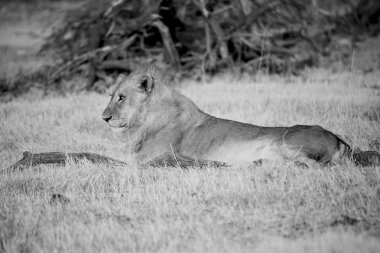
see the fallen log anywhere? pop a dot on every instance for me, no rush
(359, 158)
(166, 160)
(33, 159)
(366, 158)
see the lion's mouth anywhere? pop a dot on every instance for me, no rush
(122, 126)
(119, 128)
(117, 124)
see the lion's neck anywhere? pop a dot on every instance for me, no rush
(174, 111)
(165, 121)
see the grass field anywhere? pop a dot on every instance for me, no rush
(276, 207)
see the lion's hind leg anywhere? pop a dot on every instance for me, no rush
(310, 153)
(314, 145)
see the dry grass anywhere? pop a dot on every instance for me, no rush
(269, 208)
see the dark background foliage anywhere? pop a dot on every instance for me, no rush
(194, 38)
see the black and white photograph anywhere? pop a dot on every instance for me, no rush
(181, 126)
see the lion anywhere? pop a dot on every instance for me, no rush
(154, 120)
(162, 127)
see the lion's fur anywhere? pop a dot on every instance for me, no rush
(163, 120)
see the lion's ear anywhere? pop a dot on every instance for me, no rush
(147, 83)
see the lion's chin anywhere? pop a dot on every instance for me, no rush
(119, 128)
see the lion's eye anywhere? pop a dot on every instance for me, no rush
(121, 98)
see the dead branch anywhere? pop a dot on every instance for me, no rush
(168, 43)
(95, 35)
(79, 60)
(60, 158)
(126, 44)
(248, 20)
(220, 34)
(166, 160)
(366, 158)
(31, 160)
(123, 65)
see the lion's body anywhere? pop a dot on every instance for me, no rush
(161, 127)
(155, 119)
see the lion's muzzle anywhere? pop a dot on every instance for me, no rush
(107, 115)
(107, 118)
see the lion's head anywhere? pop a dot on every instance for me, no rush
(131, 97)
(126, 106)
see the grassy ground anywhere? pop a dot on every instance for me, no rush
(269, 208)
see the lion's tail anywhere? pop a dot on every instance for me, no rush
(344, 149)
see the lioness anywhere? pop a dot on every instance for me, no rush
(155, 119)
(162, 127)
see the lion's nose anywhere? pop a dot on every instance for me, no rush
(107, 118)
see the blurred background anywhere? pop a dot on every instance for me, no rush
(62, 46)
